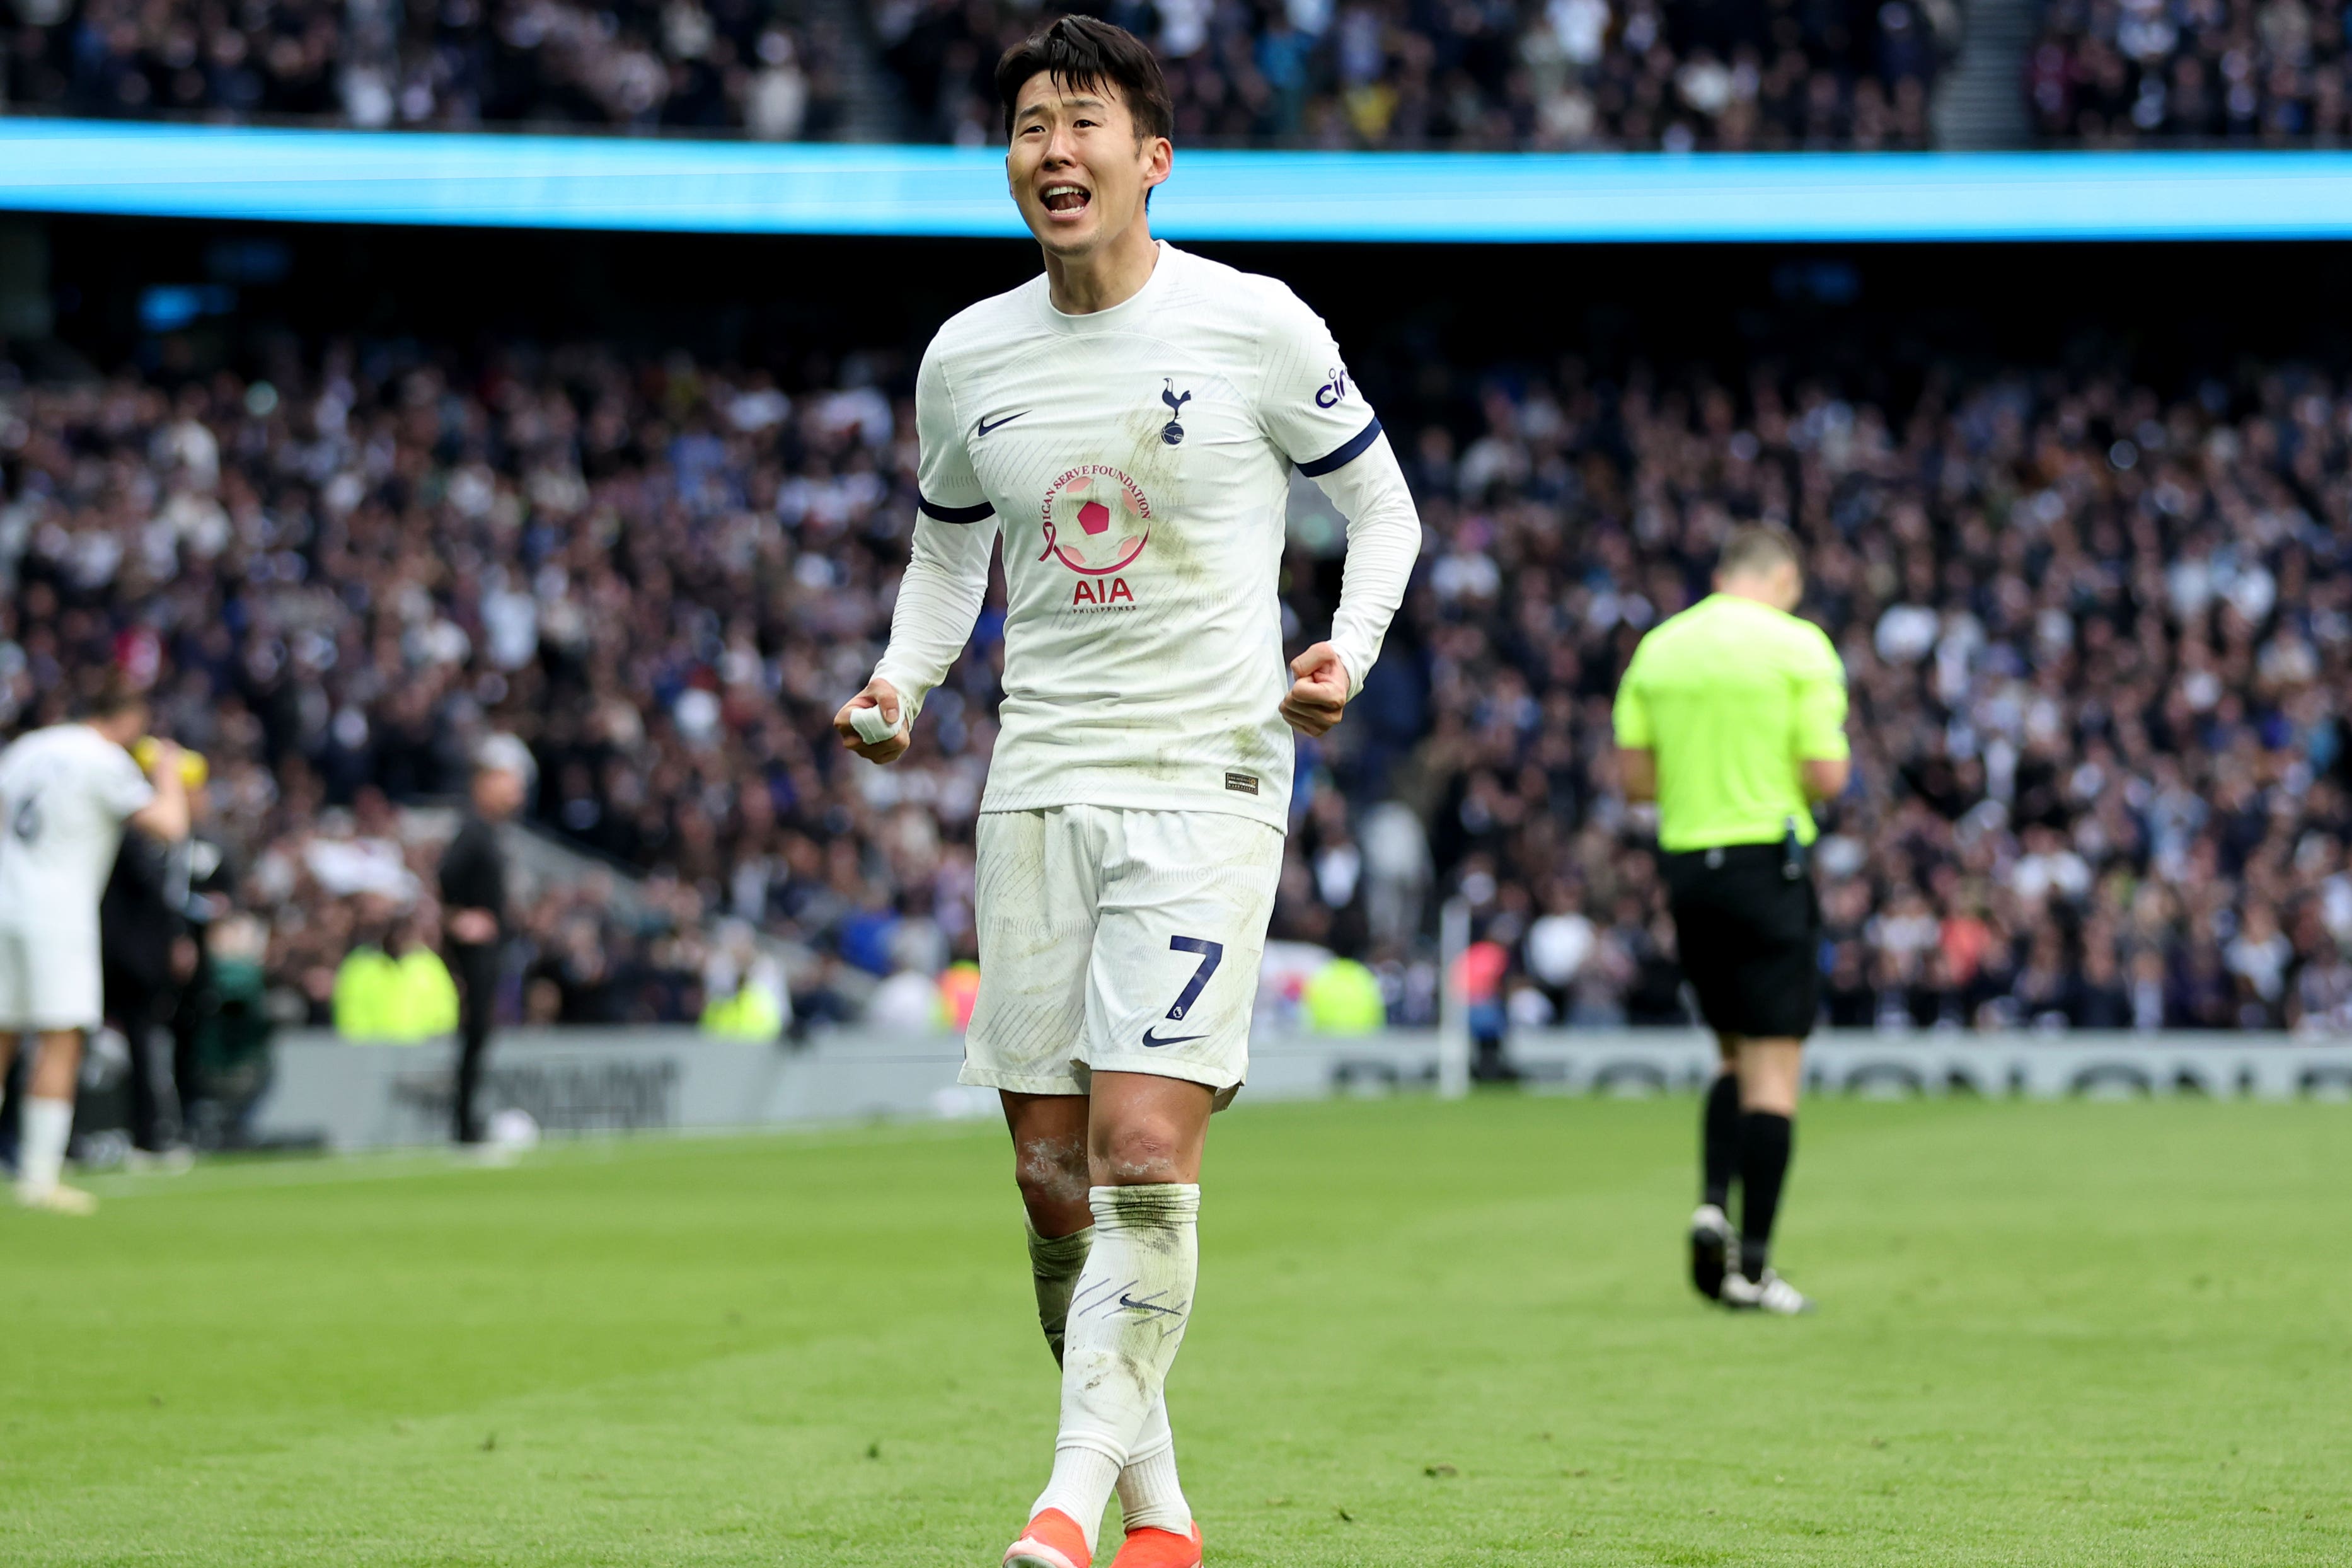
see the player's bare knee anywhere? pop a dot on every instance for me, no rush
(1051, 1172)
(1137, 1154)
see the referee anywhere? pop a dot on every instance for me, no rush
(1732, 718)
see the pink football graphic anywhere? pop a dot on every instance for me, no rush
(1112, 519)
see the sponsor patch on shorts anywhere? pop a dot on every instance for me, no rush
(1241, 783)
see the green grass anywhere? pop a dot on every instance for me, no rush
(2062, 1333)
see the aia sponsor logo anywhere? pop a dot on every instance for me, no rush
(1096, 521)
(1109, 595)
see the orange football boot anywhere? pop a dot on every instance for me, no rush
(1052, 1540)
(1153, 1548)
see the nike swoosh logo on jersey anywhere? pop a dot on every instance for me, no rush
(1127, 1300)
(984, 426)
(1176, 1040)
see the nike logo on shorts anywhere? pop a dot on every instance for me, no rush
(984, 426)
(1176, 1040)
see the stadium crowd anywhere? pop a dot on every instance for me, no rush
(765, 70)
(1337, 73)
(2120, 73)
(2096, 637)
(1476, 73)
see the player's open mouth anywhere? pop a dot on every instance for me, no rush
(1066, 198)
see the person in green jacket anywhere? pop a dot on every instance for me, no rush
(401, 1000)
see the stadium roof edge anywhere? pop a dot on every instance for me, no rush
(603, 182)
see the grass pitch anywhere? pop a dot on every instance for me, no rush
(2066, 1333)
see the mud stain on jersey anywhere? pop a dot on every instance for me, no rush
(1157, 468)
(1257, 749)
(1167, 764)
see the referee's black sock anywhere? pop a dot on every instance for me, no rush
(1765, 1140)
(1718, 1140)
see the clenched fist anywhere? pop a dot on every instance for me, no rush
(1319, 694)
(880, 694)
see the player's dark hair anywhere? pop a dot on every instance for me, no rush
(1086, 52)
(112, 696)
(1756, 547)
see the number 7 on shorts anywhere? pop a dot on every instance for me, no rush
(1212, 953)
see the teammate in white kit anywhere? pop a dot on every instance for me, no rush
(66, 793)
(1126, 424)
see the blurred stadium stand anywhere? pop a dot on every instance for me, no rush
(1494, 75)
(777, 70)
(1476, 74)
(2128, 73)
(1391, 74)
(2094, 591)
(642, 498)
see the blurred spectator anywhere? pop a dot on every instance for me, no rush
(959, 989)
(392, 988)
(141, 922)
(908, 1002)
(745, 989)
(1479, 974)
(1344, 998)
(230, 1034)
(478, 912)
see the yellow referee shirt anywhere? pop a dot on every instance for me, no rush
(1731, 696)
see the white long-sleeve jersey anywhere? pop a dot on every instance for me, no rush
(1136, 463)
(65, 794)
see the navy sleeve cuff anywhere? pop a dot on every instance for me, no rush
(954, 513)
(1345, 455)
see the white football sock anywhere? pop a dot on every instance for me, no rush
(1126, 1319)
(1080, 1486)
(1150, 1493)
(46, 1126)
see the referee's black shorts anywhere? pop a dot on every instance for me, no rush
(1749, 936)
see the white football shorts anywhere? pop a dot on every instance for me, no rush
(1115, 941)
(49, 980)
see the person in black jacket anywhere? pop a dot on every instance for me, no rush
(474, 915)
(160, 900)
(207, 881)
(141, 924)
